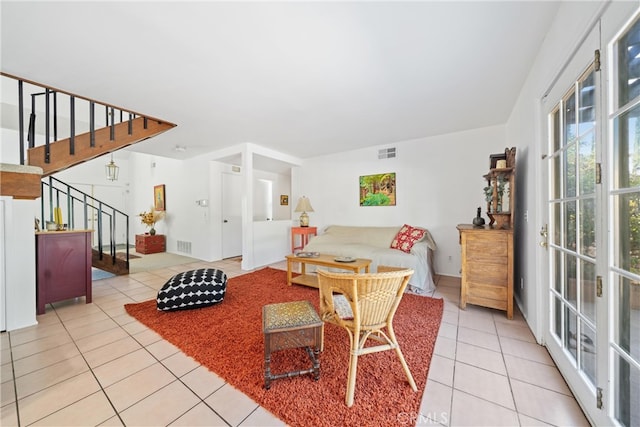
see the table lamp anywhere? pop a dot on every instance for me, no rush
(304, 206)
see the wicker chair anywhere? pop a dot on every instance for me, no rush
(364, 305)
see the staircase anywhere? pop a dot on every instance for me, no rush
(63, 130)
(61, 156)
(84, 212)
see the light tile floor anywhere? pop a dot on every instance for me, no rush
(93, 364)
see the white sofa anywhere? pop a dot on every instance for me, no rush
(374, 243)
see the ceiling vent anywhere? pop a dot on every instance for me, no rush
(387, 153)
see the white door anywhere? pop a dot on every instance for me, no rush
(576, 326)
(231, 215)
(592, 210)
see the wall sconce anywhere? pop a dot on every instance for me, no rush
(112, 170)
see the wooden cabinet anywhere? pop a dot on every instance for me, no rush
(63, 266)
(487, 267)
(150, 244)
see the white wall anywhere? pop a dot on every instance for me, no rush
(271, 241)
(439, 185)
(10, 146)
(19, 262)
(281, 185)
(185, 182)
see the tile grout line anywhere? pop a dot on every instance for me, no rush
(61, 322)
(179, 379)
(15, 384)
(90, 369)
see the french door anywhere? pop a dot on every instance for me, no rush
(592, 240)
(576, 313)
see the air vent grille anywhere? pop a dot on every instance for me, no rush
(184, 247)
(387, 153)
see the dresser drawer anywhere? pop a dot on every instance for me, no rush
(490, 246)
(485, 273)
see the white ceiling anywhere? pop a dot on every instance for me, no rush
(302, 78)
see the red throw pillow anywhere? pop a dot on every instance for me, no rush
(407, 237)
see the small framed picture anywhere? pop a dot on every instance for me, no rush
(159, 198)
(493, 159)
(284, 200)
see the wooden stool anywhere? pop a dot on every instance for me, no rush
(291, 325)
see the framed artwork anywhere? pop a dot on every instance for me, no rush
(378, 190)
(284, 200)
(159, 197)
(493, 159)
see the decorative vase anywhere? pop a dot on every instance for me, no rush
(152, 231)
(478, 220)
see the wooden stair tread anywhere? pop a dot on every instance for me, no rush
(118, 268)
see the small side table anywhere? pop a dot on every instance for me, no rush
(291, 325)
(304, 233)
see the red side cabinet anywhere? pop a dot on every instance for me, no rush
(63, 266)
(150, 244)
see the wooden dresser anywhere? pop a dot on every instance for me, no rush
(487, 267)
(150, 244)
(63, 266)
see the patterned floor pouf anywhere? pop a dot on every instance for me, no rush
(193, 289)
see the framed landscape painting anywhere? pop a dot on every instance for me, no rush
(378, 190)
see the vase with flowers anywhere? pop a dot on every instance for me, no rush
(150, 218)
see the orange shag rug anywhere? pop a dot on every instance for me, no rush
(227, 338)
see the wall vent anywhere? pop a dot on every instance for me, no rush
(184, 247)
(387, 153)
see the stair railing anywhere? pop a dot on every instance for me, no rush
(79, 120)
(56, 192)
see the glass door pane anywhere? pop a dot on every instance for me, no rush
(625, 236)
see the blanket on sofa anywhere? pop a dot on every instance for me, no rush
(374, 243)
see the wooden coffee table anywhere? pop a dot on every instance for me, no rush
(324, 261)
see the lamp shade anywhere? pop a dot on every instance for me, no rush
(304, 205)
